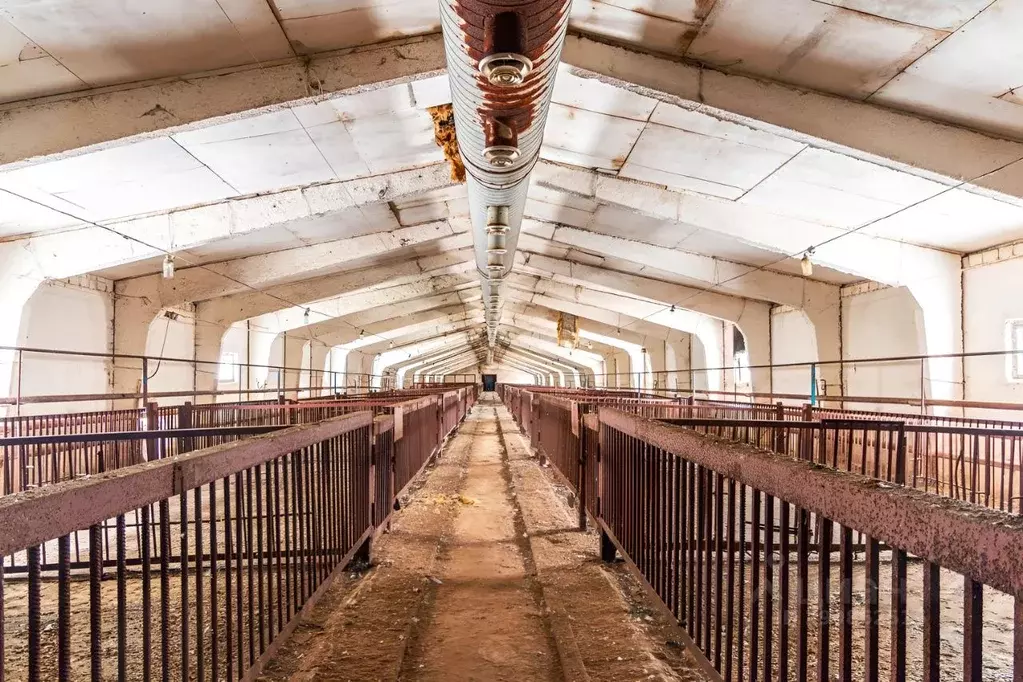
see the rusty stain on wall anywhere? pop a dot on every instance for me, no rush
(444, 135)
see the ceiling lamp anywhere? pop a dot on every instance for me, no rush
(391, 345)
(362, 333)
(168, 267)
(806, 264)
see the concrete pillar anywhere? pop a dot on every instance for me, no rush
(941, 302)
(727, 357)
(208, 341)
(315, 377)
(132, 318)
(353, 367)
(710, 349)
(294, 350)
(265, 349)
(15, 291)
(656, 357)
(827, 327)
(676, 360)
(755, 325)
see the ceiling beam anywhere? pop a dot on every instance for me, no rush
(108, 116)
(861, 129)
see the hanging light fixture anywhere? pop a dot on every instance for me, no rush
(306, 316)
(391, 345)
(168, 267)
(672, 307)
(362, 333)
(806, 264)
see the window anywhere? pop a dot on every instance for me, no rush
(227, 373)
(1014, 343)
(742, 373)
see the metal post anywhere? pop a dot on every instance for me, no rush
(581, 484)
(813, 384)
(779, 431)
(923, 399)
(145, 381)
(17, 399)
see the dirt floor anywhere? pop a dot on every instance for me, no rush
(484, 577)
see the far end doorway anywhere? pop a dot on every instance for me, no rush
(489, 382)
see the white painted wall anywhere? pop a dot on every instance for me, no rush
(792, 340)
(990, 298)
(72, 314)
(510, 375)
(882, 323)
(172, 336)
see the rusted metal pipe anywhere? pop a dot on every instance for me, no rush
(502, 60)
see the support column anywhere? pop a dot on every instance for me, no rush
(208, 341)
(941, 302)
(709, 335)
(656, 352)
(15, 293)
(727, 358)
(827, 327)
(265, 349)
(318, 363)
(132, 319)
(294, 350)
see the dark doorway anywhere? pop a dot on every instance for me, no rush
(489, 382)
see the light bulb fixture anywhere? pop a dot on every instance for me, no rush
(306, 316)
(168, 267)
(672, 307)
(618, 331)
(806, 264)
(362, 333)
(391, 345)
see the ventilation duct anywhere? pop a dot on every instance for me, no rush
(502, 60)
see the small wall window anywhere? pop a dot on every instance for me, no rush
(228, 372)
(742, 373)
(1014, 343)
(740, 357)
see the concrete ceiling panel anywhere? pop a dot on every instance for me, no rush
(146, 177)
(320, 25)
(103, 42)
(28, 70)
(972, 76)
(811, 44)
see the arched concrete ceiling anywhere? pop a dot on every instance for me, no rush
(301, 189)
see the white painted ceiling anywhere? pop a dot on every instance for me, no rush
(592, 125)
(954, 60)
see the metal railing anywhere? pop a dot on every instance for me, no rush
(53, 452)
(767, 561)
(196, 565)
(979, 464)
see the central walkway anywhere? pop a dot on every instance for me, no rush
(484, 577)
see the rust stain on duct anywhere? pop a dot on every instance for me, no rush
(444, 135)
(539, 25)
